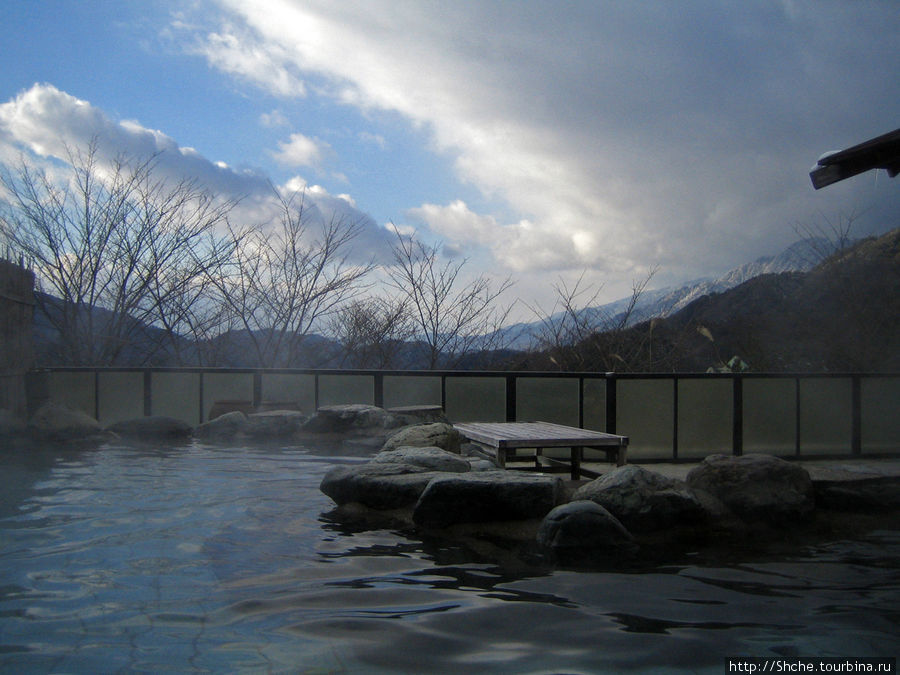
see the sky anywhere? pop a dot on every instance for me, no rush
(539, 140)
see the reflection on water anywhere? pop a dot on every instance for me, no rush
(212, 559)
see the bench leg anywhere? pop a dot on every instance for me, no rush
(620, 455)
(575, 461)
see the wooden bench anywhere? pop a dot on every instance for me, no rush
(502, 439)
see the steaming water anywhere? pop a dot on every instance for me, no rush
(210, 559)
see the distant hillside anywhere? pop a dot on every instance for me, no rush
(842, 315)
(801, 256)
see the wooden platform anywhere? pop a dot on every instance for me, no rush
(503, 439)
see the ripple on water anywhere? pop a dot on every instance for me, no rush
(218, 559)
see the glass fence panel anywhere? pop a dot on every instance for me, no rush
(595, 404)
(404, 390)
(645, 413)
(288, 391)
(770, 416)
(826, 416)
(547, 399)
(176, 395)
(476, 399)
(343, 389)
(704, 417)
(120, 396)
(76, 390)
(232, 387)
(880, 401)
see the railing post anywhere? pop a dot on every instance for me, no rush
(379, 390)
(674, 418)
(148, 392)
(611, 403)
(737, 415)
(510, 398)
(257, 389)
(856, 420)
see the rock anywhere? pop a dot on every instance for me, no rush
(756, 487)
(643, 500)
(438, 434)
(583, 527)
(58, 422)
(275, 424)
(431, 458)
(377, 486)
(152, 427)
(486, 496)
(355, 418)
(11, 426)
(223, 427)
(420, 414)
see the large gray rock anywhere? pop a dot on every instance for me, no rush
(756, 487)
(273, 424)
(431, 458)
(643, 500)
(378, 486)
(154, 427)
(439, 434)
(486, 496)
(355, 418)
(58, 422)
(584, 527)
(222, 428)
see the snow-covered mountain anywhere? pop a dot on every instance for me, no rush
(801, 256)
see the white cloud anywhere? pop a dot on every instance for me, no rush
(619, 134)
(300, 150)
(273, 119)
(45, 121)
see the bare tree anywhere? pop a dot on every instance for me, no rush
(372, 332)
(107, 245)
(283, 282)
(575, 334)
(453, 317)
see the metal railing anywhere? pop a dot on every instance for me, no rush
(667, 416)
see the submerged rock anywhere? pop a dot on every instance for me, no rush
(152, 427)
(757, 488)
(356, 418)
(643, 500)
(222, 428)
(438, 434)
(381, 486)
(273, 424)
(583, 527)
(486, 496)
(431, 458)
(58, 422)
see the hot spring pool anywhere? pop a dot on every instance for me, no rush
(200, 558)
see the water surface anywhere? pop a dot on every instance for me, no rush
(200, 558)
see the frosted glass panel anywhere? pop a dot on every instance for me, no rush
(298, 389)
(121, 396)
(403, 390)
(176, 395)
(826, 417)
(644, 413)
(704, 417)
(476, 399)
(75, 390)
(342, 389)
(880, 400)
(770, 416)
(595, 404)
(226, 387)
(547, 399)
